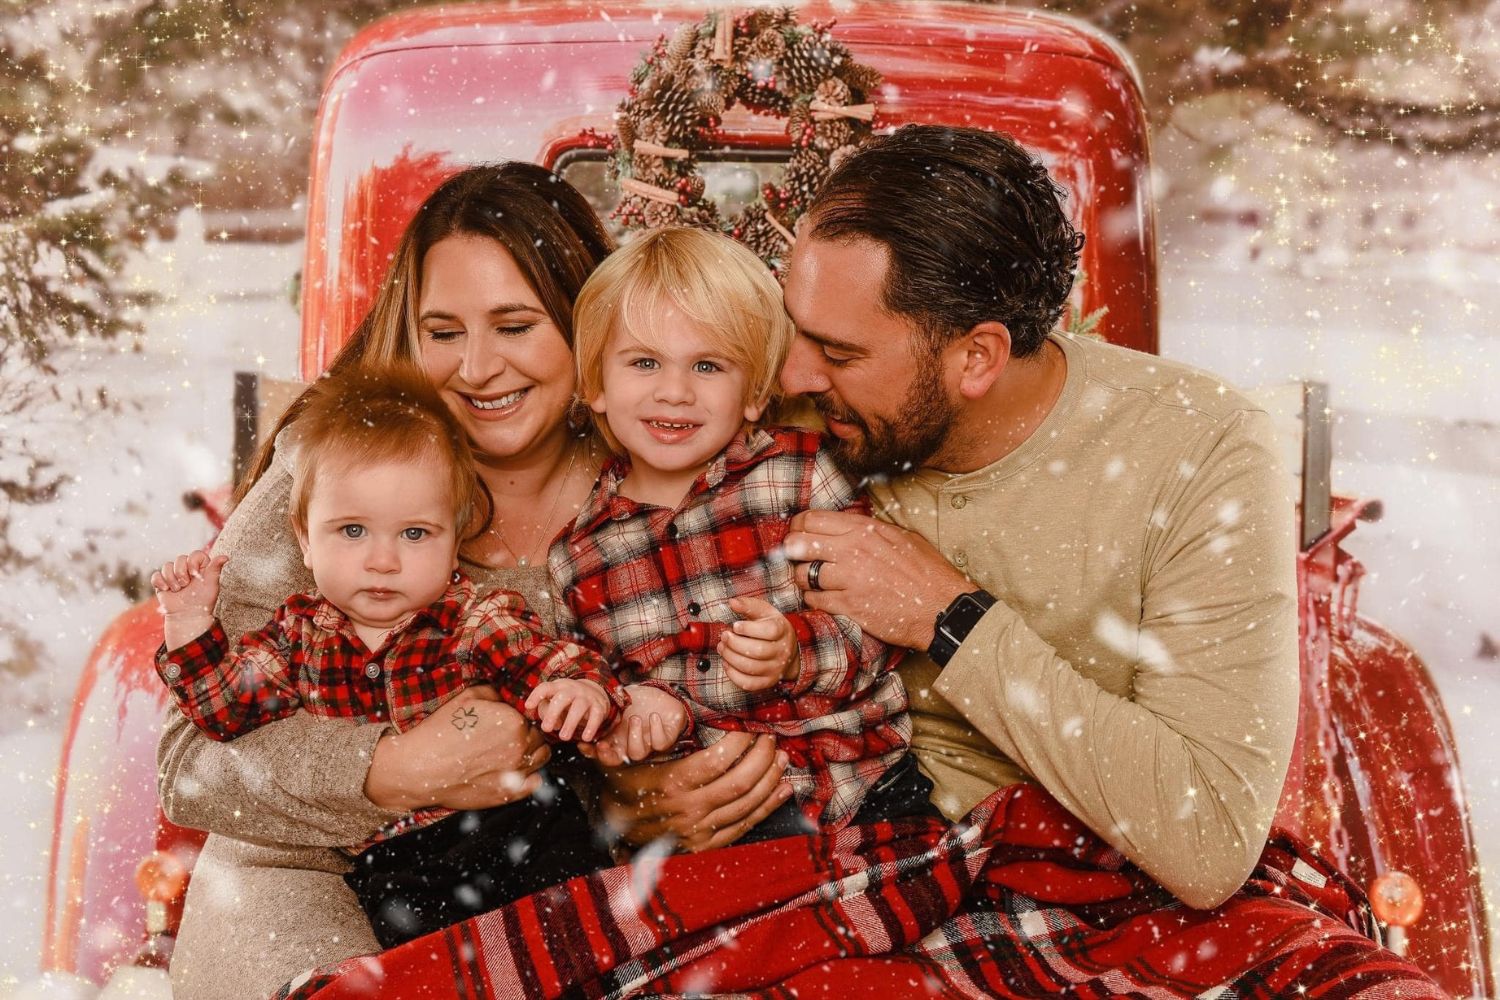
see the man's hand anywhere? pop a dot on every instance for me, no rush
(891, 581)
(186, 590)
(472, 753)
(564, 705)
(761, 648)
(703, 801)
(652, 723)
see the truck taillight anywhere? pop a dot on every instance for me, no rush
(161, 878)
(1397, 901)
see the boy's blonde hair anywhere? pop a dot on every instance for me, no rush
(711, 279)
(365, 415)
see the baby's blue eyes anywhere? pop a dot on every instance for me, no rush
(706, 367)
(353, 531)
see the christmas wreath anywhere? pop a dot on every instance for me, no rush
(769, 64)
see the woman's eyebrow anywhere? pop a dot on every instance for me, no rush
(503, 308)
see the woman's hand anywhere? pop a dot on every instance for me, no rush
(472, 753)
(706, 800)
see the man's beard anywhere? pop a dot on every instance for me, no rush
(889, 447)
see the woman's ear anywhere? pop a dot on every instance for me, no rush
(986, 352)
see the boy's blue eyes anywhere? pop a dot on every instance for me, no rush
(700, 367)
(352, 531)
(414, 534)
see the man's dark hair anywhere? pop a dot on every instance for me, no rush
(973, 224)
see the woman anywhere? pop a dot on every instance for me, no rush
(480, 293)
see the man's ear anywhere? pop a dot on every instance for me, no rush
(985, 353)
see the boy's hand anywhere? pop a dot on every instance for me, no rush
(761, 648)
(652, 723)
(189, 584)
(563, 706)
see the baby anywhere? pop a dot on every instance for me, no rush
(673, 566)
(384, 491)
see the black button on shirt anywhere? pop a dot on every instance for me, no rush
(693, 608)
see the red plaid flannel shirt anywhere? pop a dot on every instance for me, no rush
(652, 586)
(309, 657)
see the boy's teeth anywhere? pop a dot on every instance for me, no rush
(496, 404)
(673, 427)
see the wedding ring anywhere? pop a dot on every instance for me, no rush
(814, 568)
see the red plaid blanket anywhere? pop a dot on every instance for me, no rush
(1020, 900)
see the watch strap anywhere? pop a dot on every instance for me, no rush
(956, 621)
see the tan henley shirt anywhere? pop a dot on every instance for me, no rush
(1142, 661)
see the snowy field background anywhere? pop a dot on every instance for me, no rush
(1403, 335)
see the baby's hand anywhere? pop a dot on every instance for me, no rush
(653, 722)
(761, 648)
(563, 706)
(189, 584)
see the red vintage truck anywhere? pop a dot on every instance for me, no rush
(1374, 781)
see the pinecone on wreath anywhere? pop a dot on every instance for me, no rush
(862, 79)
(805, 173)
(808, 63)
(671, 104)
(830, 135)
(683, 42)
(760, 236)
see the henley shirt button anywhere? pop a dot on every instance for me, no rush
(372, 670)
(173, 671)
(960, 560)
(960, 502)
(693, 608)
(702, 666)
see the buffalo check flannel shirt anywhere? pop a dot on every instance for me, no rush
(651, 587)
(309, 657)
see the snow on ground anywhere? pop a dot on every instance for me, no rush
(228, 311)
(1419, 432)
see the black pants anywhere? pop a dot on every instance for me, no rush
(903, 791)
(473, 862)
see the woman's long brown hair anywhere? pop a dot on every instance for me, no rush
(541, 220)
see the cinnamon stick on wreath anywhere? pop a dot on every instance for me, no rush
(650, 191)
(723, 50)
(785, 233)
(652, 149)
(823, 111)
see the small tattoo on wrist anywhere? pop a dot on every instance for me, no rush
(465, 718)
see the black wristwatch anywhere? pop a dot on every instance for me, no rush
(955, 623)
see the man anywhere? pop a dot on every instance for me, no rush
(1119, 523)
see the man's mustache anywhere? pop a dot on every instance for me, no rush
(828, 410)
